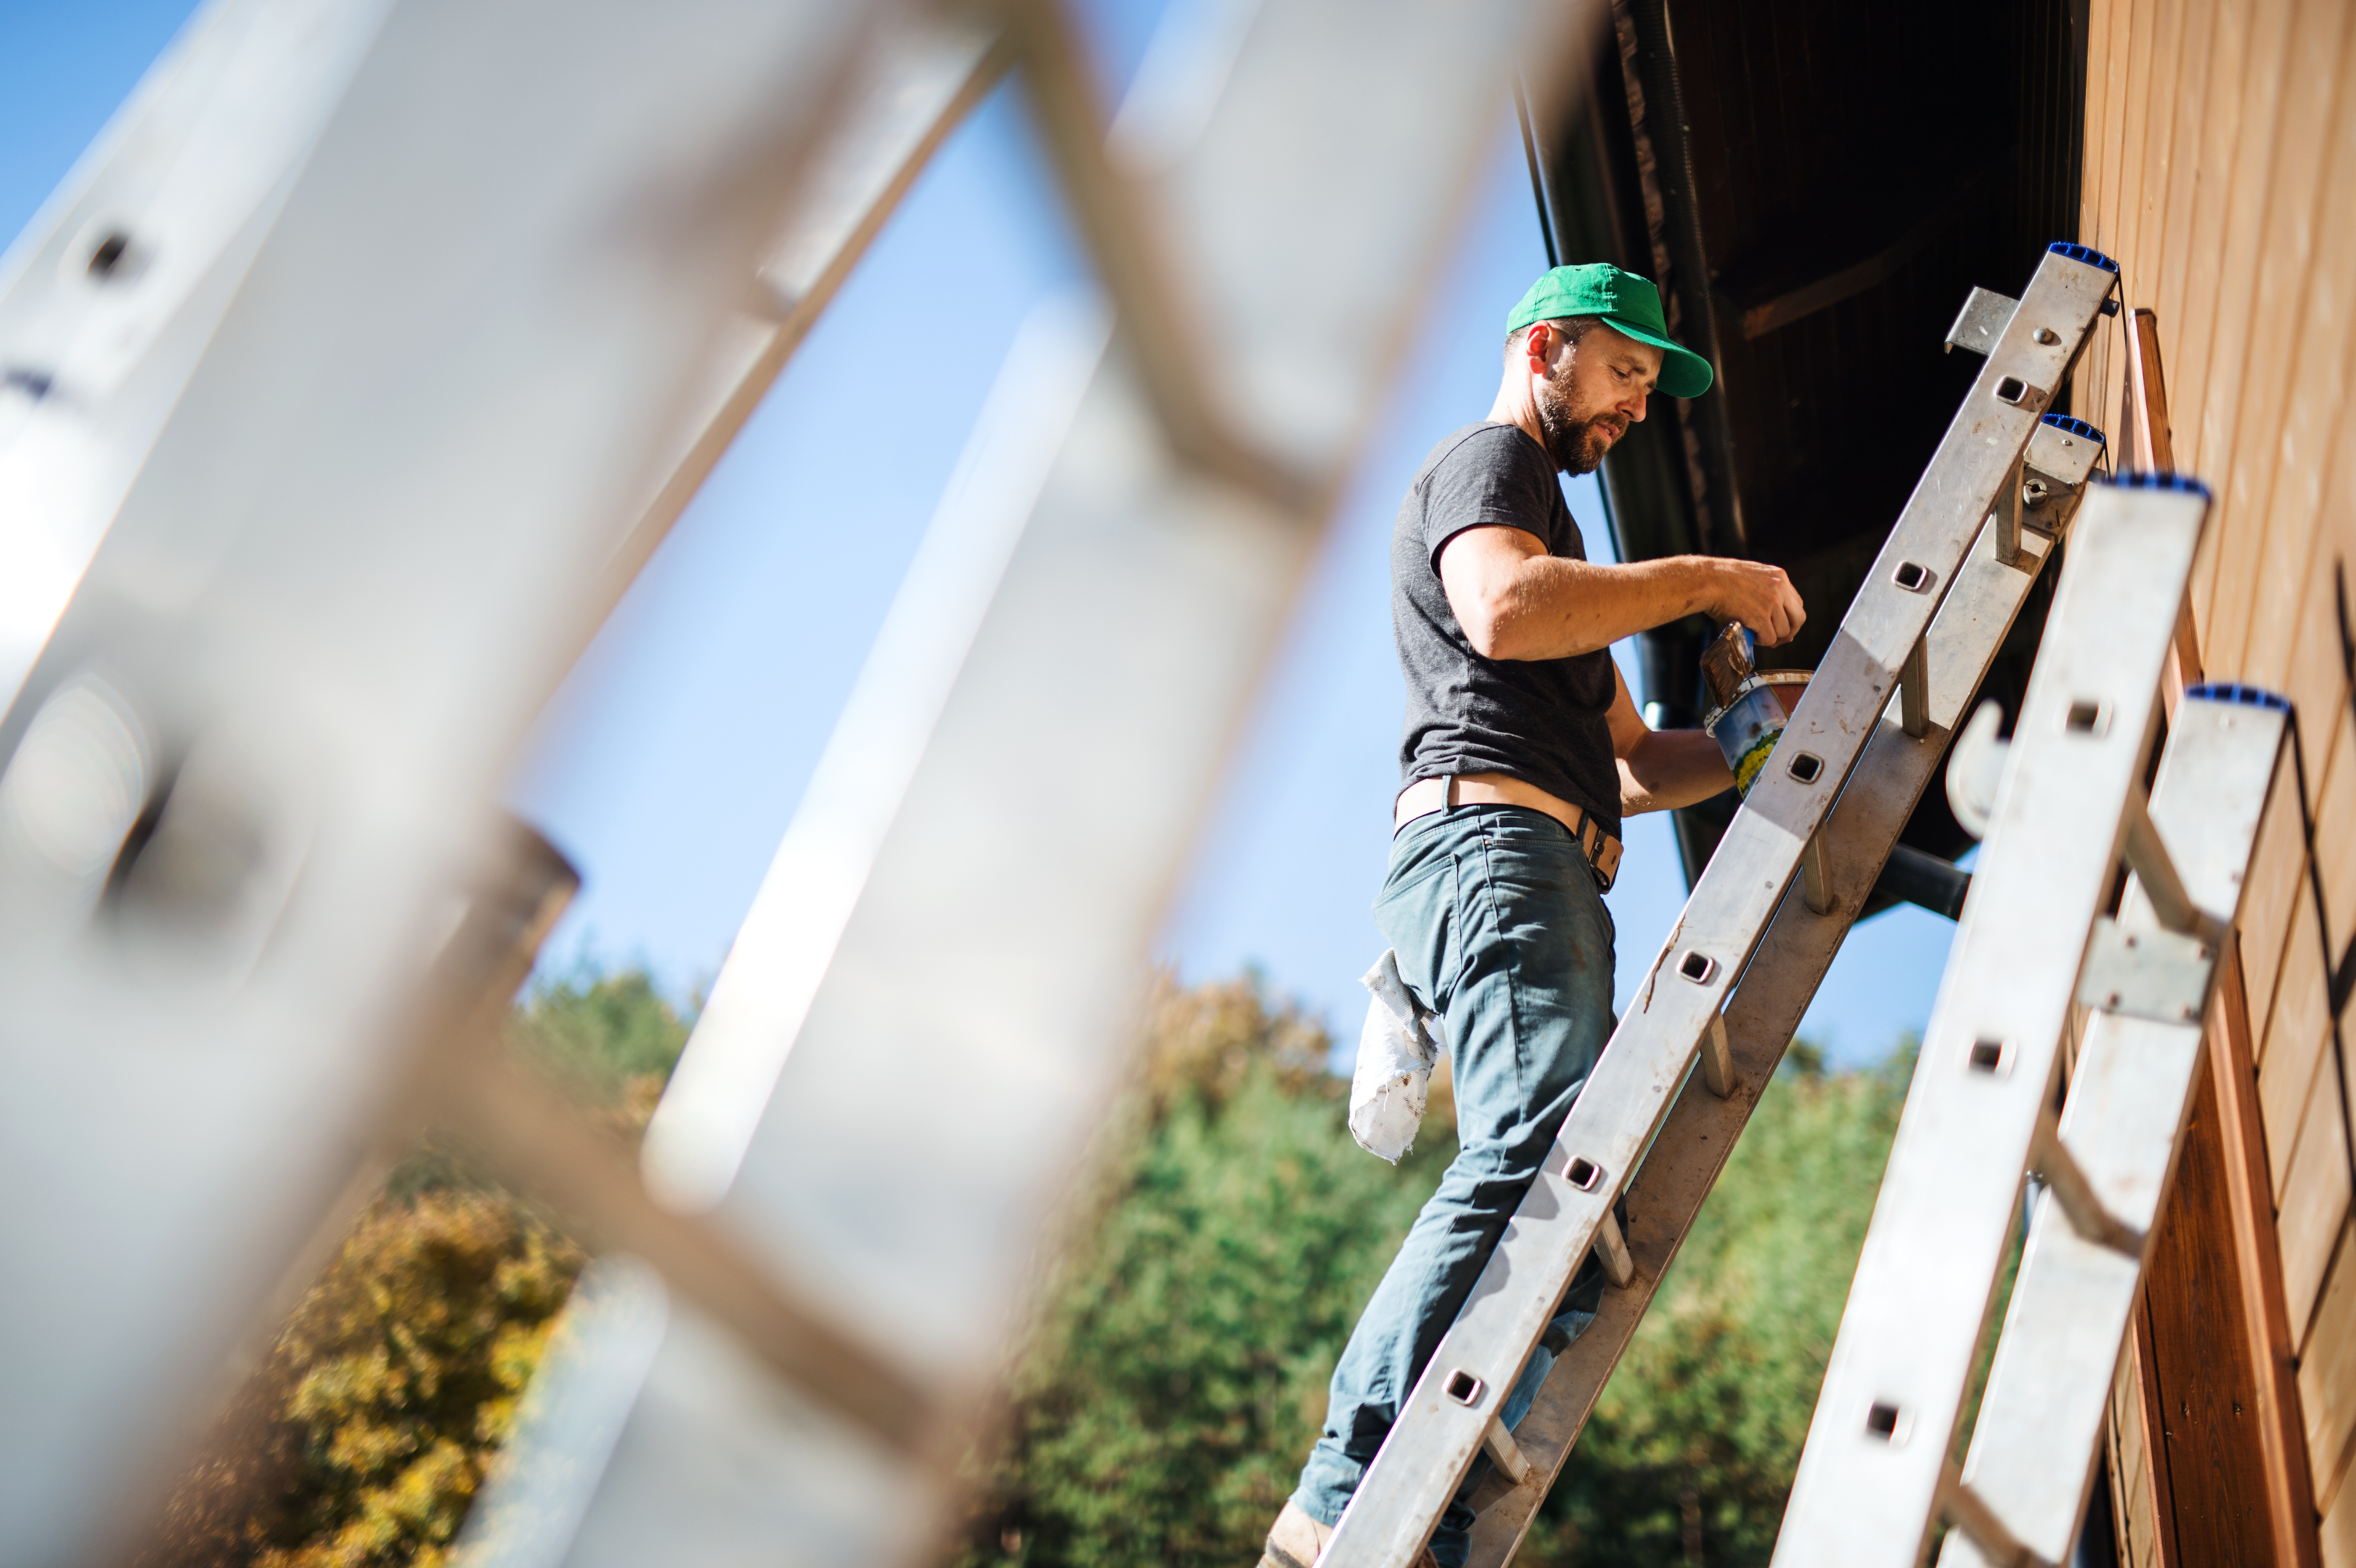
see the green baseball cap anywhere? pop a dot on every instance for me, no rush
(1631, 304)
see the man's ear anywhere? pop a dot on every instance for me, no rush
(1537, 347)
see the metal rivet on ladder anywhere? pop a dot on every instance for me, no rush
(1912, 576)
(1885, 1421)
(1697, 967)
(1806, 767)
(2046, 335)
(1582, 1173)
(2011, 389)
(1464, 1388)
(1987, 1056)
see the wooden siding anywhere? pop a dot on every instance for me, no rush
(2220, 171)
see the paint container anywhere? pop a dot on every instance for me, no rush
(1747, 727)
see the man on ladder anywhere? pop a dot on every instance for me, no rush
(1522, 751)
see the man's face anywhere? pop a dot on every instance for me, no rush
(1594, 389)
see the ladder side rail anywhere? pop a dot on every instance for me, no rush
(926, 72)
(1699, 1136)
(2032, 1459)
(1635, 1080)
(1869, 1480)
(111, 293)
(309, 640)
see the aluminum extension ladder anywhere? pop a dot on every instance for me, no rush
(1757, 934)
(2034, 945)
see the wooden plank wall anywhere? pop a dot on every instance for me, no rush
(2220, 171)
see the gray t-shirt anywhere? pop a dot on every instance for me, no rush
(1540, 720)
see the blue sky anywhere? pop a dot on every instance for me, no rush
(670, 762)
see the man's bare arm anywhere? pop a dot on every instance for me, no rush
(1516, 602)
(1660, 770)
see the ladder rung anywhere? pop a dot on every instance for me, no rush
(1611, 1252)
(2162, 884)
(1992, 1542)
(1505, 1454)
(1816, 887)
(1717, 1059)
(2089, 1216)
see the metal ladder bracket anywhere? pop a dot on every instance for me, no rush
(2063, 450)
(1981, 322)
(2163, 975)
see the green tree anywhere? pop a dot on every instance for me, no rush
(1178, 1375)
(1692, 1445)
(1178, 1372)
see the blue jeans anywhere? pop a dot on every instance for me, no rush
(1500, 929)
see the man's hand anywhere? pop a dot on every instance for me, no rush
(1758, 595)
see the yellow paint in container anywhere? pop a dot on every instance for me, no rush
(1750, 706)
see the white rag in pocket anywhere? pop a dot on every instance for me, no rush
(1396, 1050)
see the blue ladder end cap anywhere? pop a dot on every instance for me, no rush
(2139, 479)
(2078, 427)
(2085, 253)
(2243, 696)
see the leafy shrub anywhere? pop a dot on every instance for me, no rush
(371, 1424)
(1178, 1373)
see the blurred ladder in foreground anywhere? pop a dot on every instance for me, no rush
(491, 297)
(1757, 934)
(1987, 1102)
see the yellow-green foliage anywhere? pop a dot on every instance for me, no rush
(364, 1436)
(371, 1424)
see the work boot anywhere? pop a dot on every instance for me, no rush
(1298, 1540)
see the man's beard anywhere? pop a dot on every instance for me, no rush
(1577, 445)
